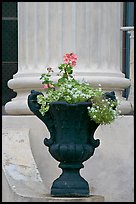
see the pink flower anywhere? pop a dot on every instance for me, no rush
(66, 57)
(73, 57)
(51, 86)
(46, 86)
(73, 63)
(70, 58)
(66, 60)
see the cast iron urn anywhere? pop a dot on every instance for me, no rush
(71, 143)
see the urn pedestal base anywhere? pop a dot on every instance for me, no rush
(70, 183)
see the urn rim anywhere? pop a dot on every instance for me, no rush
(71, 104)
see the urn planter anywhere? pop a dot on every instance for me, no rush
(71, 143)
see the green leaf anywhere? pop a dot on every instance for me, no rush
(62, 80)
(69, 70)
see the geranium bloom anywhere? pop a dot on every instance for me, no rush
(66, 58)
(70, 58)
(50, 85)
(73, 57)
(46, 86)
(73, 63)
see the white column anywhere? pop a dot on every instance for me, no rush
(48, 30)
(131, 96)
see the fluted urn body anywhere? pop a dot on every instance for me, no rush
(71, 143)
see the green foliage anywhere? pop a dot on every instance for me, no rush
(103, 110)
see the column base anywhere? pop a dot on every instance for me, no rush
(24, 83)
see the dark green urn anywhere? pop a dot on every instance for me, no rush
(71, 143)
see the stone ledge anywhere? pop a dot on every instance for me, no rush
(91, 198)
(20, 176)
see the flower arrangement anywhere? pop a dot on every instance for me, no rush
(68, 89)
